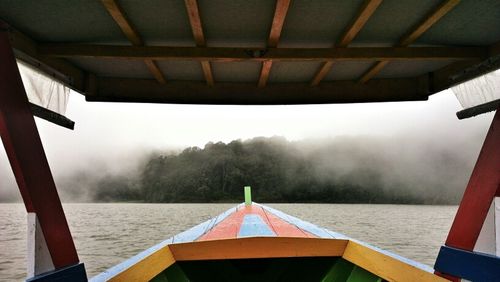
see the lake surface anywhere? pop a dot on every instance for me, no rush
(107, 234)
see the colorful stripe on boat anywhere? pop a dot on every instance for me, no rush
(253, 226)
(234, 225)
(258, 221)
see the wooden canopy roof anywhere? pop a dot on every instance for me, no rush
(256, 51)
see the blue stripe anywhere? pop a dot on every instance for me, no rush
(253, 225)
(469, 265)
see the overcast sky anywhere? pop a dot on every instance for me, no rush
(107, 132)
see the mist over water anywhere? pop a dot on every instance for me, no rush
(415, 149)
(405, 169)
(405, 165)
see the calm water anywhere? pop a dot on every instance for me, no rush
(106, 234)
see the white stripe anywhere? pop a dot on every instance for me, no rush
(485, 242)
(497, 225)
(38, 256)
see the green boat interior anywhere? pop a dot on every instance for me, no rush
(310, 269)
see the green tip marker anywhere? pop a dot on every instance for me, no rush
(248, 196)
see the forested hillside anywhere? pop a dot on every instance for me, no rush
(341, 170)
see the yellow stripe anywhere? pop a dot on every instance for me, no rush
(258, 247)
(147, 268)
(373, 261)
(385, 266)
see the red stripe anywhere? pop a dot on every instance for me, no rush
(229, 227)
(285, 229)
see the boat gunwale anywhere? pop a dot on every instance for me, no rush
(189, 237)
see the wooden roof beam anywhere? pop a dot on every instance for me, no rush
(364, 14)
(62, 70)
(278, 21)
(372, 71)
(132, 35)
(464, 70)
(155, 70)
(413, 35)
(119, 17)
(228, 54)
(189, 92)
(428, 22)
(195, 21)
(277, 26)
(322, 72)
(264, 73)
(199, 38)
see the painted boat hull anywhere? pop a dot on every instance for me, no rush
(258, 243)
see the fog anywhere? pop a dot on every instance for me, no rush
(418, 146)
(409, 168)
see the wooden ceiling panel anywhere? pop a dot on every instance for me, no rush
(256, 48)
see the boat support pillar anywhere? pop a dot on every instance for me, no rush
(29, 163)
(475, 233)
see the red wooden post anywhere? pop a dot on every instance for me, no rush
(483, 187)
(28, 161)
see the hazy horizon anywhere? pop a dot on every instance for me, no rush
(107, 134)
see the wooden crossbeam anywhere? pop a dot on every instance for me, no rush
(195, 21)
(322, 72)
(264, 73)
(63, 71)
(364, 14)
(131, 33)
(118, 15)
(373, 70)
(429, 21)
(258, 247)
(155, 70)
(274, 36)
(278, 21)
(199, 38)
(415, 33)
(207, 70)
(228, 54)
(464, 70)
(144, 90)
